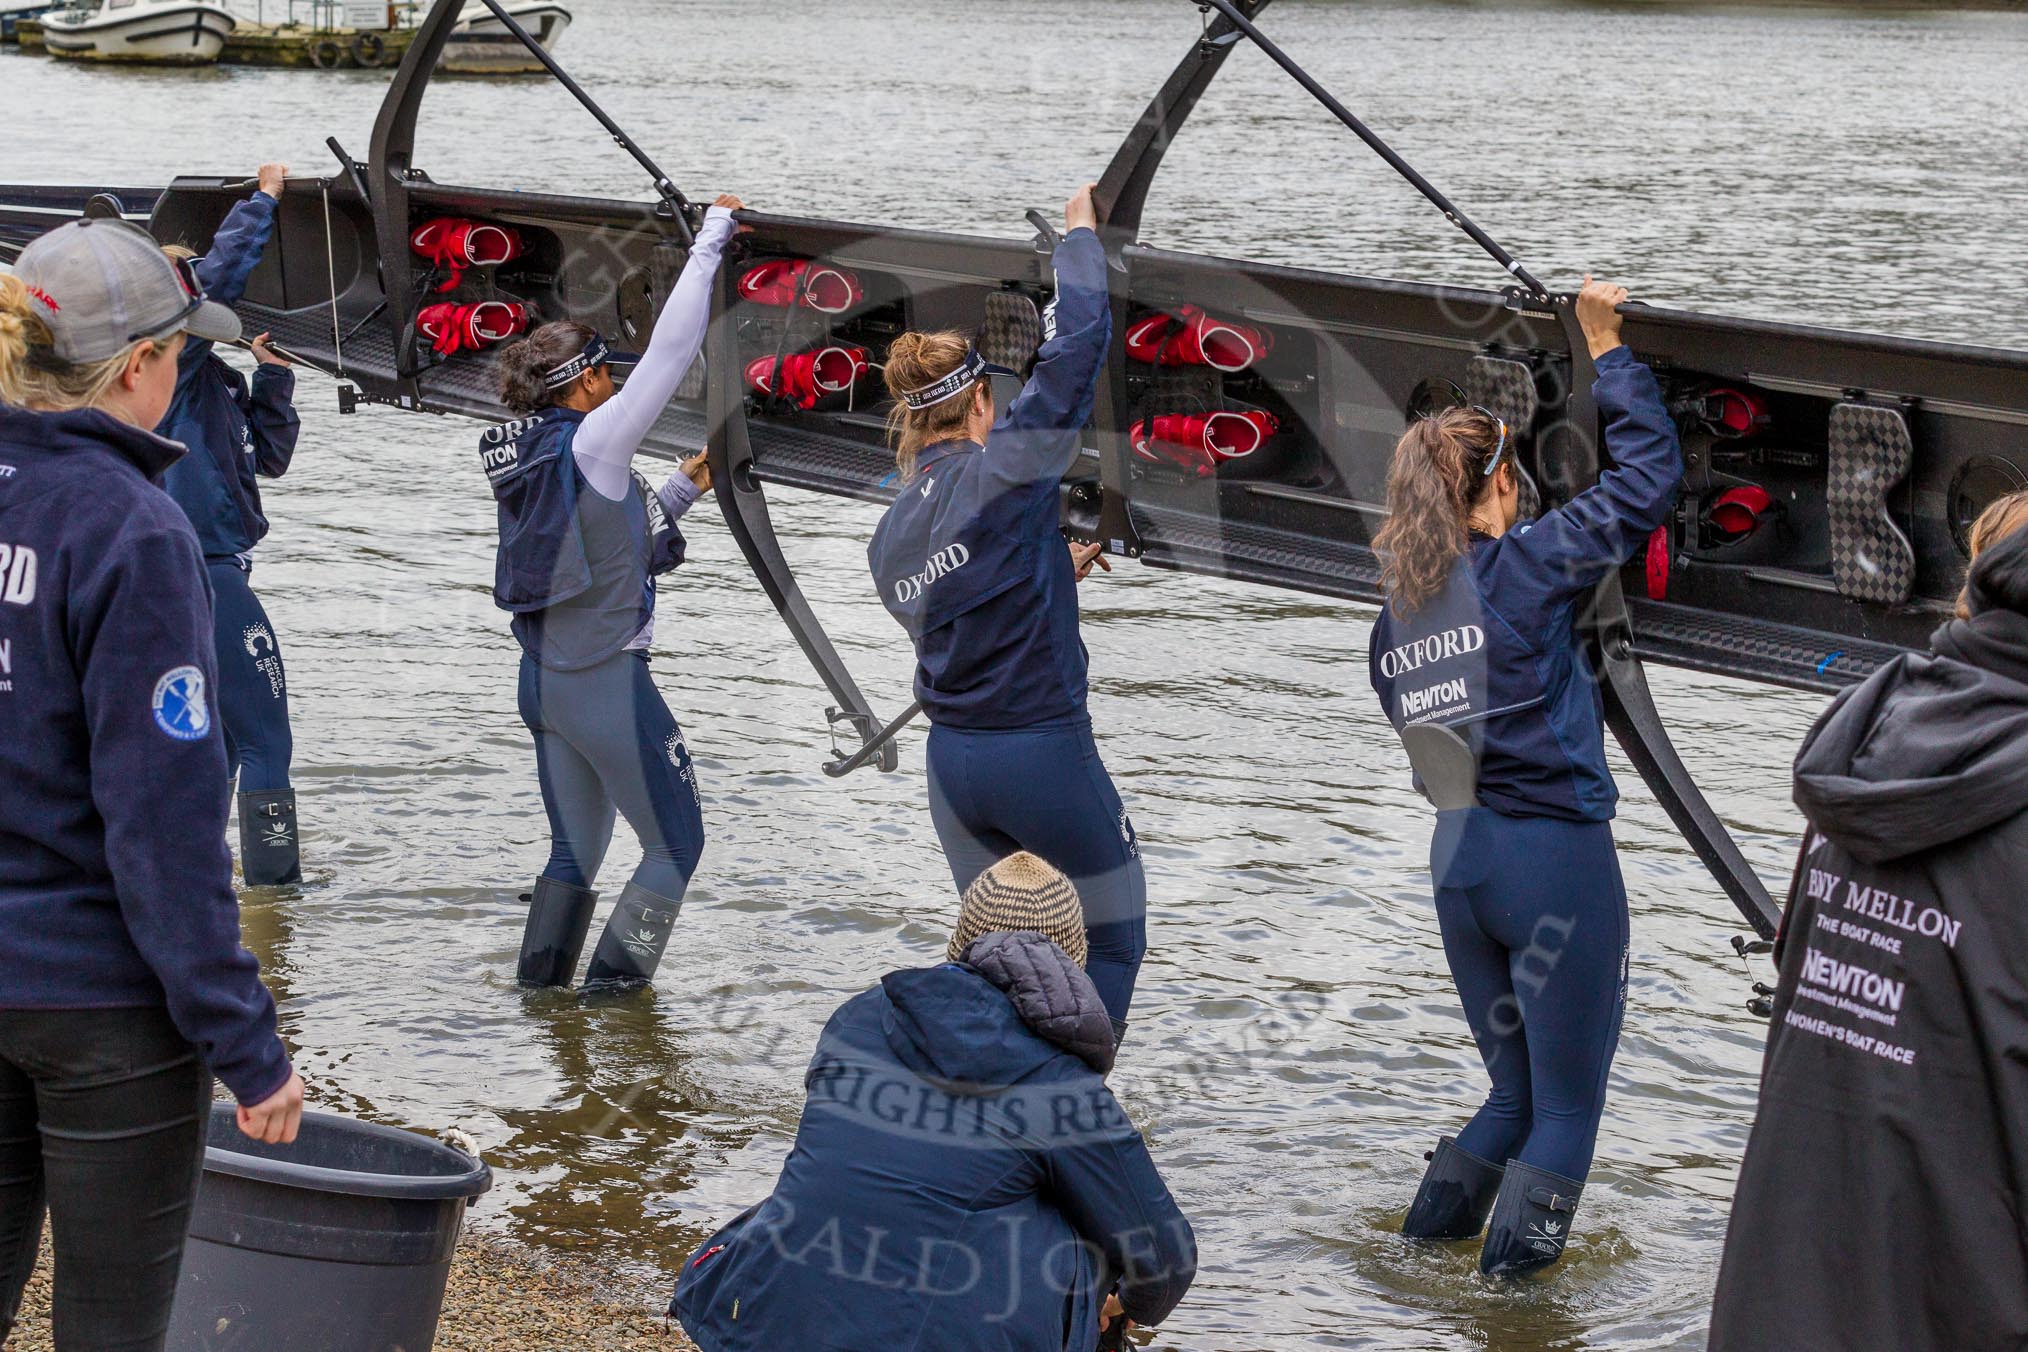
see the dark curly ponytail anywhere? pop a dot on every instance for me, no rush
(524, 365)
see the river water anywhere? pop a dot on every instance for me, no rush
(1296, 1044)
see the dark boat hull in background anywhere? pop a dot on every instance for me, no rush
(1877, 454)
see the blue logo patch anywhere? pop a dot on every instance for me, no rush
(180, 709)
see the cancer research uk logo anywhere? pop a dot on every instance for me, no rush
(179, 704)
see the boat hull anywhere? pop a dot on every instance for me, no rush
(179, 35)
(483, 46)
(1350, 354)
(11, 19)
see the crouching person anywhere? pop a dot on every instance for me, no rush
(961, 1176)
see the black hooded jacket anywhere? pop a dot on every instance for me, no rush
(1881, 1202)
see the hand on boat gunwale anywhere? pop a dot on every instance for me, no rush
(275, 1118)
(264, 354)
(271, 179)
(1114, 1310)
(730, 201)
(1082, 557)
(697, 470)
(1080, 210)
(1598, 314)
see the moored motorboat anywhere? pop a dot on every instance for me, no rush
(159, 32)
(481, 45)
(13, 12)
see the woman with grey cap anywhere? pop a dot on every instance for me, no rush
(961, 1176)
(123, 983)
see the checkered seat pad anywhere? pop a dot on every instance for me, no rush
(1507, 387)
(1871, 450)
(1012, 331)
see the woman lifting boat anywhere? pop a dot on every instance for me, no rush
(238, 433)
(970, 561)
(582, 538)
(1478, 663)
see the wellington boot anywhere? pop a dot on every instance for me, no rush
(559, 914)
(269, 851)
(636, 933)
(1456, 1193)
(1531, 1220)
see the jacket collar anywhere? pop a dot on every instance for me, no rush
(89, 429)
(944, 450)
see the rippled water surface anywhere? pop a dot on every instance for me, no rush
(1296, 1044)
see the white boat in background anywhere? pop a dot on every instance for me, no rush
(159, 32)
(481, 45)
(13, 12)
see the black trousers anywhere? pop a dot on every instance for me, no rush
(102, 1121)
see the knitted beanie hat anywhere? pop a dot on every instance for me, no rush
(1019, 893)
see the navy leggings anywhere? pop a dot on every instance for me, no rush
(1045, 790)
(253, 689)
(1534, 919)
(604, 740)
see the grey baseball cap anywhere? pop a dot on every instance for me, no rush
(103, 285)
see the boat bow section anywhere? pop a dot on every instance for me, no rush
(28, 210)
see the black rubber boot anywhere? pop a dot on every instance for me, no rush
(1456, 1193)
(636, 933)
(269, 852)
(1531, 1220)
(559, 914)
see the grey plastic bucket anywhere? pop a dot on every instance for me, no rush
(338, 1242)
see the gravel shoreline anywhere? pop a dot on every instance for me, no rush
(501, 1295)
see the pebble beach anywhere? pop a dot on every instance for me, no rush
(500, 1296)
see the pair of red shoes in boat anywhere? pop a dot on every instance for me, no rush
(1201, 442)
(453, 243)
(1190, 337)
(804, 378)
(453, 328)
(1727, 517)
(802, 281)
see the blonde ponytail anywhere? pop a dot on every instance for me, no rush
(916, 360)
(32, 375)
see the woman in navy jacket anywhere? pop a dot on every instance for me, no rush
(1478, 663)
(238, 434)
(583, 536)
(970, 561)
(961, 1176)
(123, 983)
